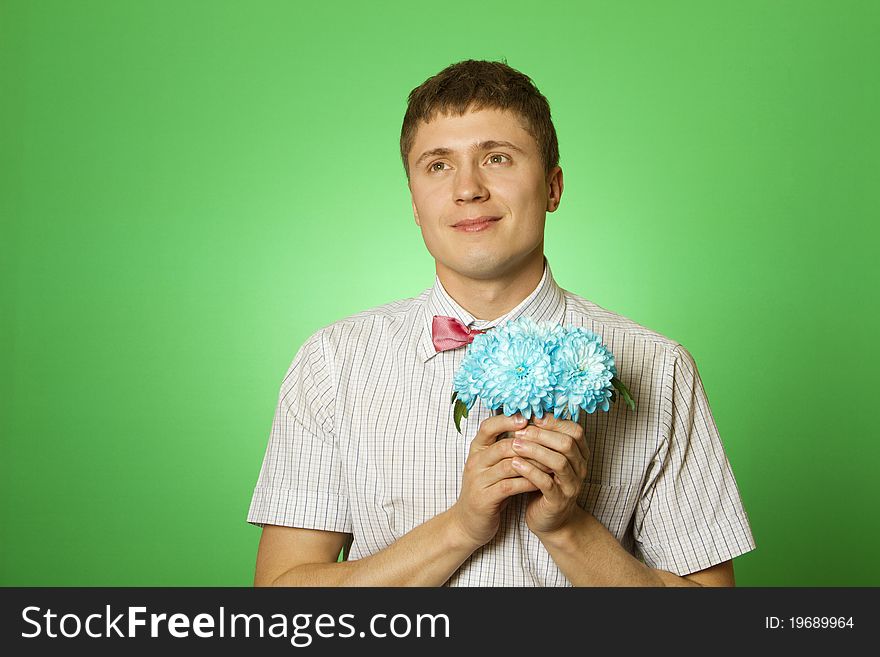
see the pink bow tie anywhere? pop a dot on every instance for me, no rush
(450, 333)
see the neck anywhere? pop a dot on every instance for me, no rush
(490, 298)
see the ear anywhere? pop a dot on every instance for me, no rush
(416, 214)
(554, 188)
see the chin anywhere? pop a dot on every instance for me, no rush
(477, 267)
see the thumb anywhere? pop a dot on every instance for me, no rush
(495, 425)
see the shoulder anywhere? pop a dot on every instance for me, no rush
(393, 311)
(607, 323)
(370, 325)
(635, 343)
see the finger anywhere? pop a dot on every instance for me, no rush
(499, 450)
(557, 462)
(560, 443)
(501, 470)
(568, 427)
(493, 426)
(509, 487)
(540, 466)
(568, 479)
(543, 481)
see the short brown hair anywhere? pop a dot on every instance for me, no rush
(481, 84)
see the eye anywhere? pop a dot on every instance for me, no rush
(432, 167)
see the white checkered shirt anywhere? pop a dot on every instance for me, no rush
(363, 442)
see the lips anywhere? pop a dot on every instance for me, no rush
(476, 223)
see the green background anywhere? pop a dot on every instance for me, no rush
(189, 189)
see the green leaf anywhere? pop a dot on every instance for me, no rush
(460, 411)
(454, 395)
(617, 383)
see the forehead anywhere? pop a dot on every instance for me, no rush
(460, 132)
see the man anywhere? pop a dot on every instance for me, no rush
(364, 456)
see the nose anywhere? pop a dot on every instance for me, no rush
(469, 184)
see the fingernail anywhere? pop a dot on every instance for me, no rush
(517, 442)
(519, 465)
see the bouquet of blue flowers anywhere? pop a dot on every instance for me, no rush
(532, 368)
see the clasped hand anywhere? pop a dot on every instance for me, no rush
(560, 446)
(547, 460)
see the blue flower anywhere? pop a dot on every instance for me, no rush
(509, 368)
(526, 327)
(470, 378)
(532, 368)
(584, 368)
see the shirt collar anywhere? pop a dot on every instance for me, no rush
(545, 303)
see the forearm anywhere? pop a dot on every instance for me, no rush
(589, 555)
(426, 556)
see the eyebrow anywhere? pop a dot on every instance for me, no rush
(479, 146)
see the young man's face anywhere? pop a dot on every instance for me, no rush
(475, 179)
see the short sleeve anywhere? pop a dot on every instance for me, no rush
(689, 515)
(301, 482)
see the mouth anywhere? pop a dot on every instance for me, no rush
(475, 224)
